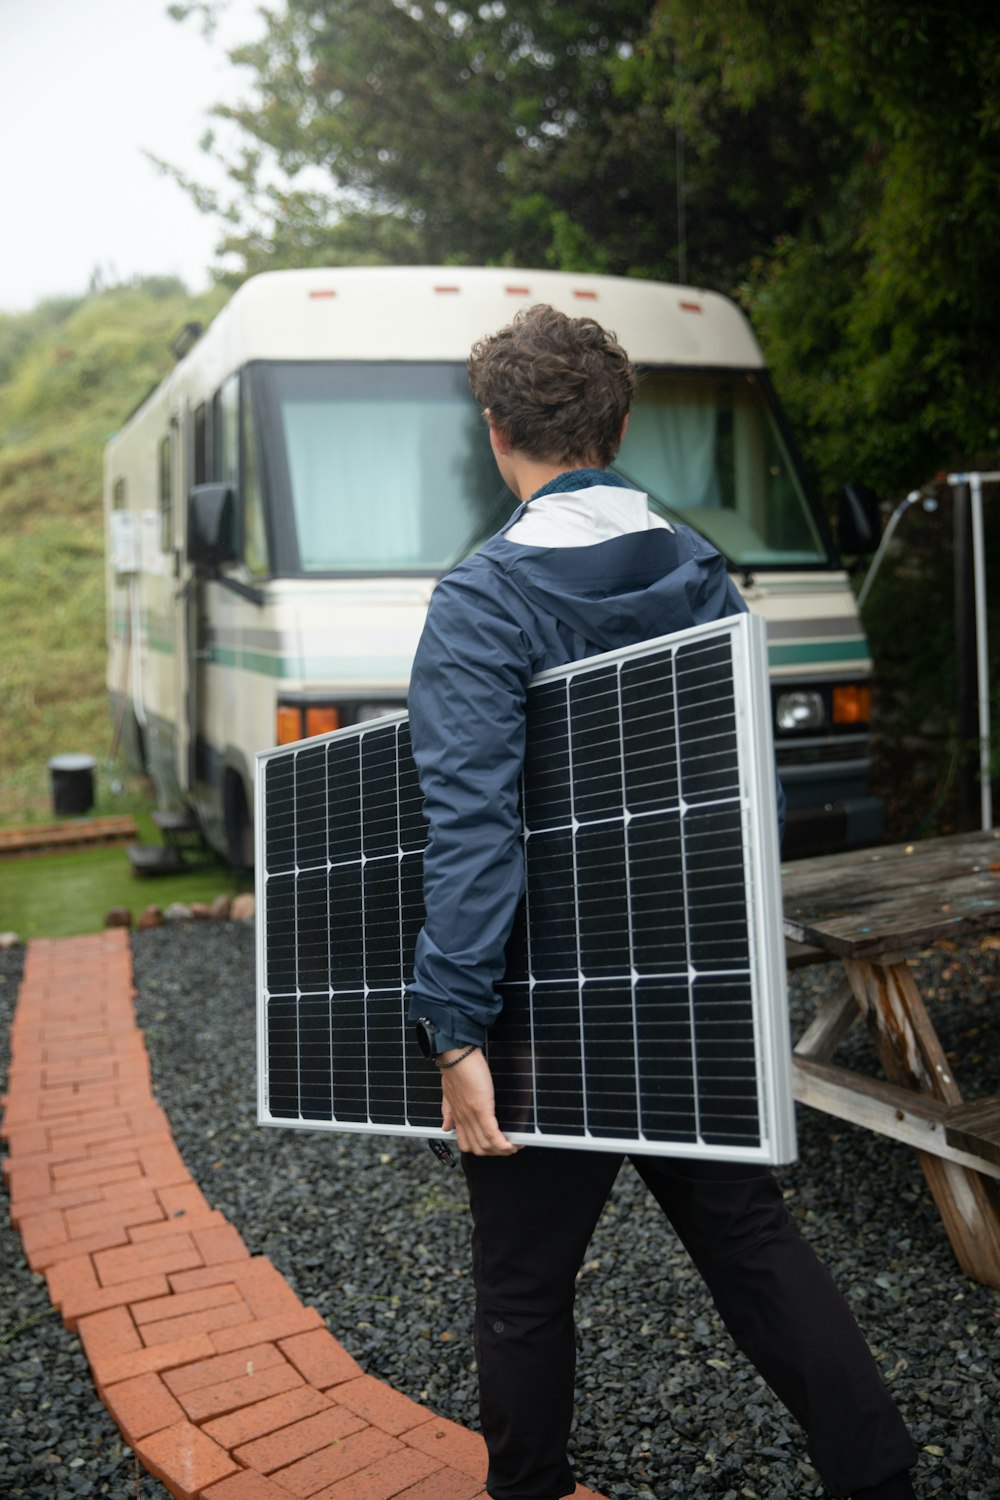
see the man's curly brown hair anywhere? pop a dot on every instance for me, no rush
(558, 387)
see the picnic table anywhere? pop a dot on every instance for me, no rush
(874, 909)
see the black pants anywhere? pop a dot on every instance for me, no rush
(533, 1215)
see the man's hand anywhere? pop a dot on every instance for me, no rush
(468, 1106)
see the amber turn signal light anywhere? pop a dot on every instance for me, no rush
(852, 704)
(288, 724)
(321, 720)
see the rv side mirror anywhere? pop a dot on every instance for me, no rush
(859, 524)
(211, 529)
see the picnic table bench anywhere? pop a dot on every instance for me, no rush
(873, 909)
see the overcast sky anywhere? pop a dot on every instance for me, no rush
(85, 87)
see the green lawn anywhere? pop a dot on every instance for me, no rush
(63, 895)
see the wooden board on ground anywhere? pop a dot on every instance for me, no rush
(49, 838)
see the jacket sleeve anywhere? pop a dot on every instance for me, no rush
(467, 711)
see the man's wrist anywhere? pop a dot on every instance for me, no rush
(433, 1041)
(454, 1055)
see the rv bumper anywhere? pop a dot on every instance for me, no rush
(853, 823)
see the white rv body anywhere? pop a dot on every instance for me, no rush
(331, 405)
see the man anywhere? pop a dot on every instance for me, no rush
(582, 567)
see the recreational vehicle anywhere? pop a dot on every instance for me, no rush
(279, 510)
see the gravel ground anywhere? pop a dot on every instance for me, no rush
(374, 1233)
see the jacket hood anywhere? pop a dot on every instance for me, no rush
(632, 587)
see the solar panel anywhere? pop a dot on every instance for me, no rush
(644, 1001)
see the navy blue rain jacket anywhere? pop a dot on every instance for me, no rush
(496, 620)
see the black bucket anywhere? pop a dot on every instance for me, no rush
(72, 784)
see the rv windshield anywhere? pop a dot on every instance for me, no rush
(708, 450)
(386, 468)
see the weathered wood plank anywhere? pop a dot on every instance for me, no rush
(911, 1055)
(45, 838)
(976, 1127)
(866, 902)
(884, 1108)
(904, 1036)
(832, 1022)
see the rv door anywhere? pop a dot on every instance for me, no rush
(190, 624)
(208, 547)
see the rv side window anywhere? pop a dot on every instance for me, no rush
(166, 494)
(201, 436)
(255, 553)
(226, 429)
(124, 551)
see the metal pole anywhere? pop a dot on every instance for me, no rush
(965, 646)
(982, 652)
(971, 486)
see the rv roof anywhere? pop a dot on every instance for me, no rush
(434, 312)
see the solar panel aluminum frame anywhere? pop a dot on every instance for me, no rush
(775, 1124)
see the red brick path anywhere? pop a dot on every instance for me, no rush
(223, 1383)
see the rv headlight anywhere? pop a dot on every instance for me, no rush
(802, 709)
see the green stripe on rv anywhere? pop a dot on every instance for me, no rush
(800, 654)
(810, 652)
(254, 661)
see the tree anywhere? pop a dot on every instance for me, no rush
(839, 173)
(880, 312)
(527, 132)
(433, 128)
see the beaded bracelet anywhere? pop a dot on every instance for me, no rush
(456, 1060)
